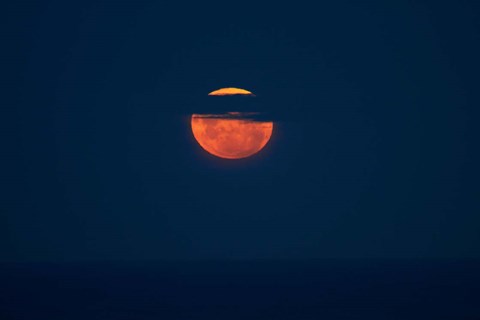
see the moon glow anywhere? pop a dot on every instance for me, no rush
(231, 135)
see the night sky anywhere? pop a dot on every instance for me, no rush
(365, 204)
(374, 152)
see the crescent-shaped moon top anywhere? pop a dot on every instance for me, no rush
(230, 92)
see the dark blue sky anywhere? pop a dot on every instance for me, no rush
(374, 154)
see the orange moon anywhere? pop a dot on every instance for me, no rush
(230, 92)
(228, 136)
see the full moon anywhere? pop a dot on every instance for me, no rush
(229, 136)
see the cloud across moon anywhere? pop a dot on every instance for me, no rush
(231, 135)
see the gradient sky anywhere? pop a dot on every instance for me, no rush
(374, 154)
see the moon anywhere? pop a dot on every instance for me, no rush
(229, 136)
(230, 92)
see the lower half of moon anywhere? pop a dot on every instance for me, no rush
(231, 138)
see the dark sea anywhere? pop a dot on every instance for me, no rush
(339, 289)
